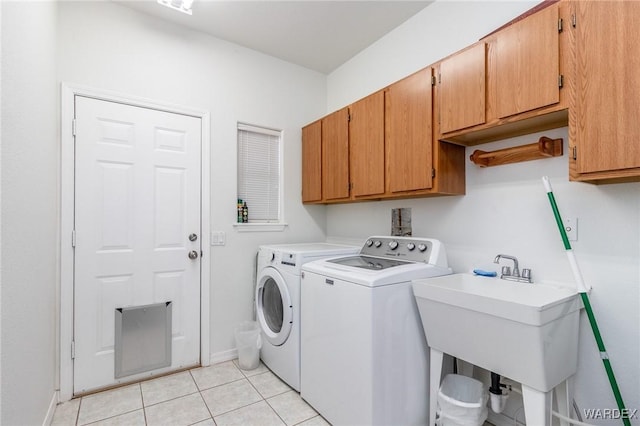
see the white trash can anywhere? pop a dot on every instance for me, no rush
(248, 342)
(462, 401)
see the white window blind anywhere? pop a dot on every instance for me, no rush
(259, 172)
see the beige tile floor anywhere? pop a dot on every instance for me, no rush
(219, 395)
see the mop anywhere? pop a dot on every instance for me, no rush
(582, 289)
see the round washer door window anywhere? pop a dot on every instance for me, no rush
(273, 306)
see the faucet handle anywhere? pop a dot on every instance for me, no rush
(506, 270)
(526, 273)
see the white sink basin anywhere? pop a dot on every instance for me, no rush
(527, 332)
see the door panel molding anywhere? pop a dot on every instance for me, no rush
(66, 294)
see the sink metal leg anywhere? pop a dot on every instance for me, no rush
(435, 371)
(537, 406)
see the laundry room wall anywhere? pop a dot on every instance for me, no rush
(29, 219)
(505, 209)
(107, 46)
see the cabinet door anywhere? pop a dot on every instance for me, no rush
(335, 155)
(409, 133)
(462, 89)
(312, 162)
(607, 85)
(366, 145)
(527, 63)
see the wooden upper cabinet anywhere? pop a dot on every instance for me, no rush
(607, 89)
(462, 89)
(527, 63)
(335, 155)
(409, 133)
(366, 145)
(312, 162)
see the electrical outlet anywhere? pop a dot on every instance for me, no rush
(571, 228)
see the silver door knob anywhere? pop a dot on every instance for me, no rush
(193, 237)
(193, 254)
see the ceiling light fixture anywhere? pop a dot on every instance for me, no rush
(183, 6)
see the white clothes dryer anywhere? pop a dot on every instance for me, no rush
(277, 299)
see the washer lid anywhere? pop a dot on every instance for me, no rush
(403, 273)
(369, 262)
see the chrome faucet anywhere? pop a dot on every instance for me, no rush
(507, 274)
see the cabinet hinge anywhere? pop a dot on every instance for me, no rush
(560, 80)
(574, 20)
(433, 80)
(575, 152)
(73, 127)
(73, 238)
(433, 173)
(560, 24)
(349, 117)
(73, 349)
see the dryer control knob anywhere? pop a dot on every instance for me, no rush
(369, 243)
(393, 245)
(422, 247)
(377, 244)
(411, 246)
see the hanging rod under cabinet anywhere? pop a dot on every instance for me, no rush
(544, 148)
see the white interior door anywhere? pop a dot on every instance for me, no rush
(137, 200)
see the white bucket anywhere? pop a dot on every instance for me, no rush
(462, 401)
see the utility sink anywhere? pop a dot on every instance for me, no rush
(526, 332)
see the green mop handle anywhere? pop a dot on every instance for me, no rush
(582, 289)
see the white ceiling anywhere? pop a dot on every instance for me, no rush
(320, 35)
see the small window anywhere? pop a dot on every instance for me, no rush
(259, 172)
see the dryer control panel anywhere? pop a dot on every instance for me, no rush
(288, 259)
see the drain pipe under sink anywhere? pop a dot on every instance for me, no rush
(498, 398)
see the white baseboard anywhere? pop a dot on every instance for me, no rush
(51, 410)
(219, 357)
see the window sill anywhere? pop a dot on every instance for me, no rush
(260, 227)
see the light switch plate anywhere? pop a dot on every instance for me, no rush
(218, 238)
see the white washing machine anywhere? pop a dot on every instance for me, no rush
(364, 354)
(278, 302)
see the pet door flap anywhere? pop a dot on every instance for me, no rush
(142, 338)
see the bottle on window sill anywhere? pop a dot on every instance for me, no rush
(239, 208)
(245, 213)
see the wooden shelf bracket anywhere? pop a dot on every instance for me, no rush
(544, 148)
